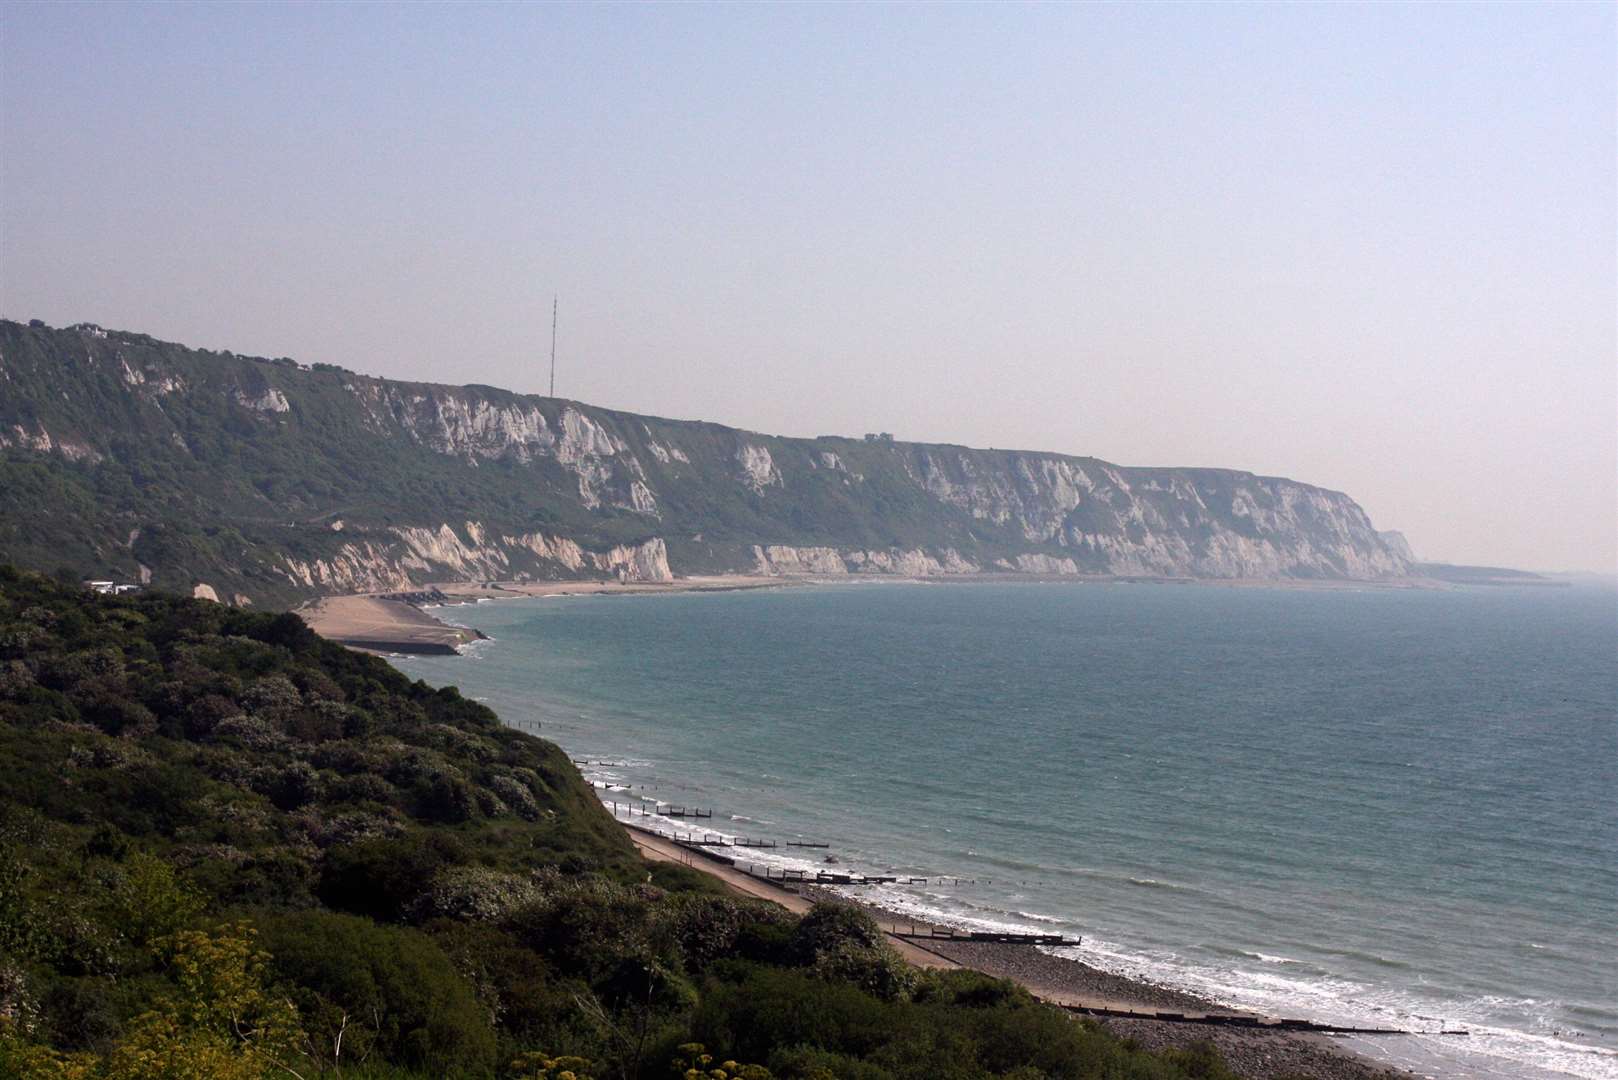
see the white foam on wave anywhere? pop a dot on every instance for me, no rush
(1037, 917)
(1490, 1052)
(1279, 988)
(1153, 883)
(475, 649)
(940, 909)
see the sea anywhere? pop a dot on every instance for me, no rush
(1391, 808)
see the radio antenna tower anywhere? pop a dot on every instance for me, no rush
(553, 346)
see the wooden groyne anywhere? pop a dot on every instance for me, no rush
(778, 875)
(999, 937)
(657, 809)
(1237, 1020)
(708, 840)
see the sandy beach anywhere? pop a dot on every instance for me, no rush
(1256, 1054)
(382, 624)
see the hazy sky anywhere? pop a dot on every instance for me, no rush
(1372, 247)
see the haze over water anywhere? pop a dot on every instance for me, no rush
(1382, 807)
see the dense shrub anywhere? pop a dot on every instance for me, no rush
(391, 989)
(842, 943)
(382, 878)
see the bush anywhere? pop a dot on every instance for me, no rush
(393, 987)
(767, 1008)
(474, 894)
(706, 928)
(842, 943)
(150, 900)
(81, 1014)
(380, 878)
(584, 927)
(445, 799)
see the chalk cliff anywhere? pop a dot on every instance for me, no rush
(123, 455)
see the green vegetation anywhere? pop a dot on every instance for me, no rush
(229, 849)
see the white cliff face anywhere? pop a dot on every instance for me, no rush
(1398, 545)
(583, 438)
(758, 468)
(1098, 519)
(782, 559)
(666, 454)
(785, 560)
(1033, 494)
(456, 423)
(355, 567)
(1039, 564)
(408, 558)
(551, 548)
(442, 547)
(590, 449)
(467, 425)
(911, 563)
(647, 561)
(641, 498)
(1162, 522)
(42, 441)
(270, 400)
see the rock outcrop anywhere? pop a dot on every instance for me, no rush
(417, 555)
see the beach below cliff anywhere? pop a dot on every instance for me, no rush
(383, 624)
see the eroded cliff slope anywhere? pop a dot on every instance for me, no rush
(126, 457)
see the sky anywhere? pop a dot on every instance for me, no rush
(1368, 247)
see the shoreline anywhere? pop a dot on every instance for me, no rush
(1252, 1053)
(397, 622)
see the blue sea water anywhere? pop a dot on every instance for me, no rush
(1382, 807)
